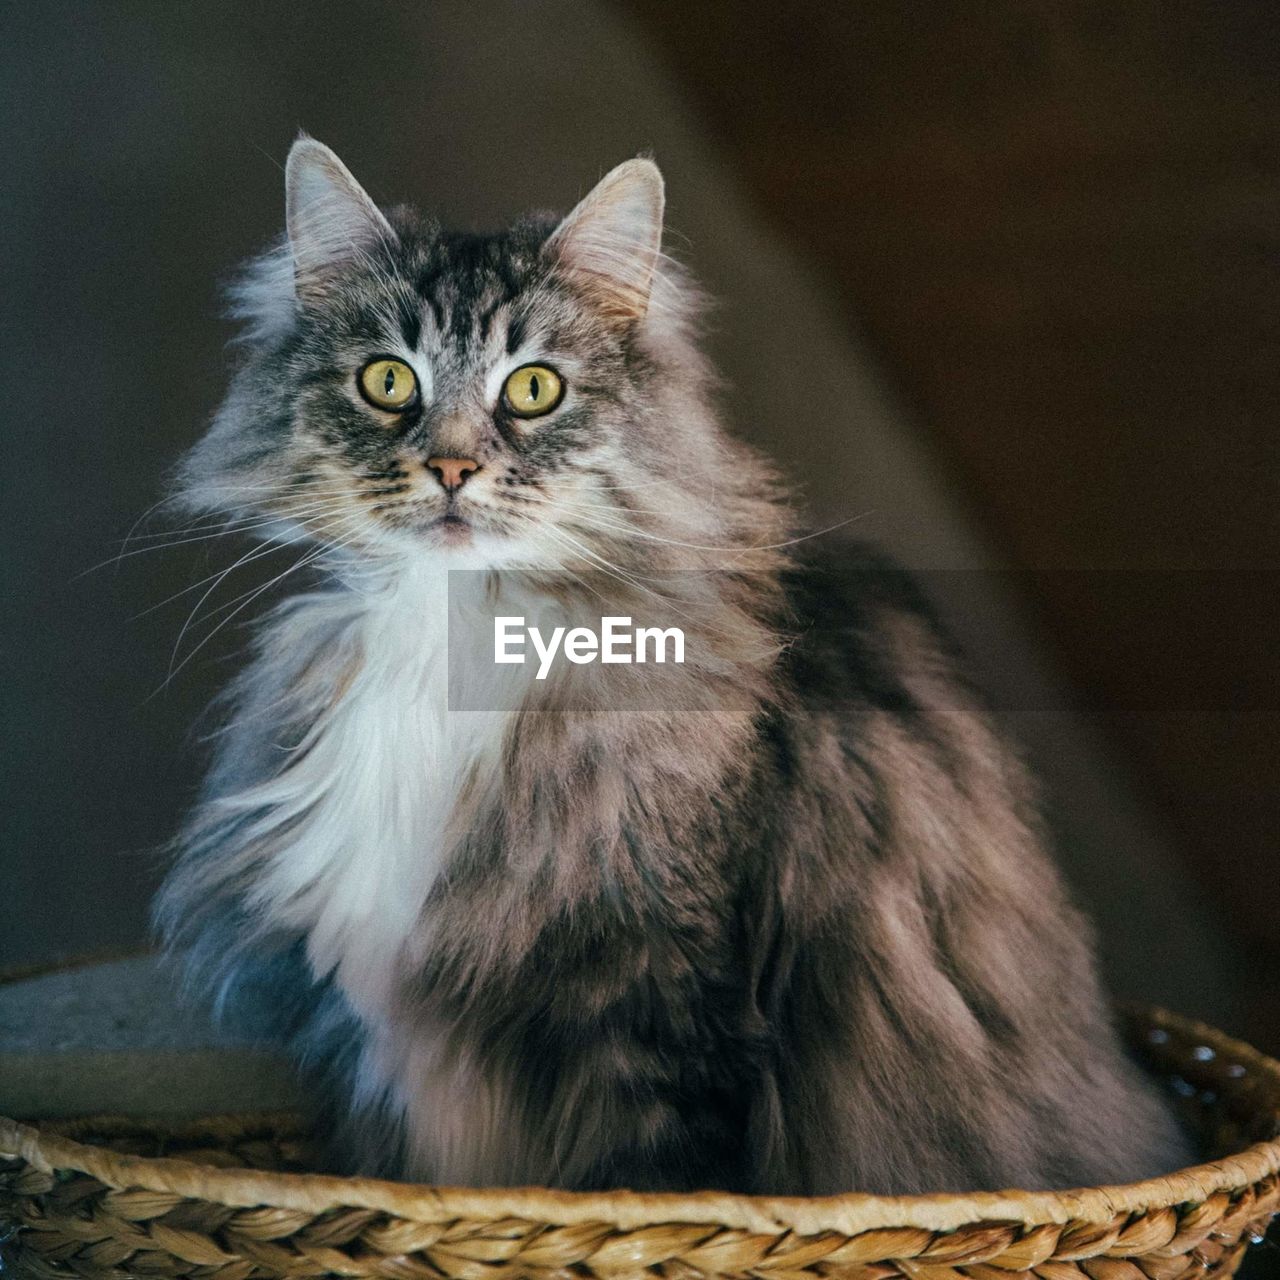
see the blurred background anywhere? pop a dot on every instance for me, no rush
(999, 280)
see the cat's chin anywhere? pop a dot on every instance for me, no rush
(451, 530)
(464, 545)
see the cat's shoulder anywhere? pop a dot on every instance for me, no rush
(849, 583)
(860, 622)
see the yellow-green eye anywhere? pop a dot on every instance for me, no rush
(533, 390)
(388, 384)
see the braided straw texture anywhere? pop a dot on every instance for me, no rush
(109, 1199)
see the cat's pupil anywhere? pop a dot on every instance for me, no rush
(533, 386)
(389, 382)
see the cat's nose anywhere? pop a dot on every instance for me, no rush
(452, 472)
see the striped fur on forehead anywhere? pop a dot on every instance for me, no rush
(486, 295)
(462, 281)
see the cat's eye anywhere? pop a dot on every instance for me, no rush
(533, 390)
(388, 384)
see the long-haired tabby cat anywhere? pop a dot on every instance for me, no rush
(793, 930)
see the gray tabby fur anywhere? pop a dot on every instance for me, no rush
(801, 938)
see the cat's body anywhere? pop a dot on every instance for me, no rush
(788, 927)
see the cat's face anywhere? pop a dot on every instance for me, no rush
(528, 397)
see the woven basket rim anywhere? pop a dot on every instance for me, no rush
(850, 1213)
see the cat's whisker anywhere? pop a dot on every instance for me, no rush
(597, 568)
(125, 555)
(612, 520)
(641, 484)
(271, 490)
(559, 567)
(302, 481)
(218, 579)
(670, 603)
(270, 545)
(325, 546)
(638, 581)
(266, 548)
(546, 525)
(596, 509)
(294, 485)
(607, 566)
(228, 527)
(241, 523)
(204, 525)
(151, 510)
(251, 596)
(630, 531)
(597, 519)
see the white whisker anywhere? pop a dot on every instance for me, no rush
(238, 524)
(247, 600)
(251, 555)
(628, 530)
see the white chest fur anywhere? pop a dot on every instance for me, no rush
(358, 823)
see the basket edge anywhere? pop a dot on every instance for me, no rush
(850, 1213)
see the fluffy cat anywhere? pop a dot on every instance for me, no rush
(789, 927)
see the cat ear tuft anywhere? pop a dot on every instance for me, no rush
(611, 241)
(330, 219)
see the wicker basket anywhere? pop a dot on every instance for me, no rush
(227, 1198)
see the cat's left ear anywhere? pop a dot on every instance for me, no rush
(611, 241)
(331, 220)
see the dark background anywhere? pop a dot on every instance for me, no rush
(1055, 227)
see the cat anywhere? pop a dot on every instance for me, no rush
(788, 927)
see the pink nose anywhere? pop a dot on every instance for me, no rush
(452, 472)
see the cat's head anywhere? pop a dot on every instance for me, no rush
(532, 396)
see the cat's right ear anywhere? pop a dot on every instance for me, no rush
(612, 240)
(330, 219)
